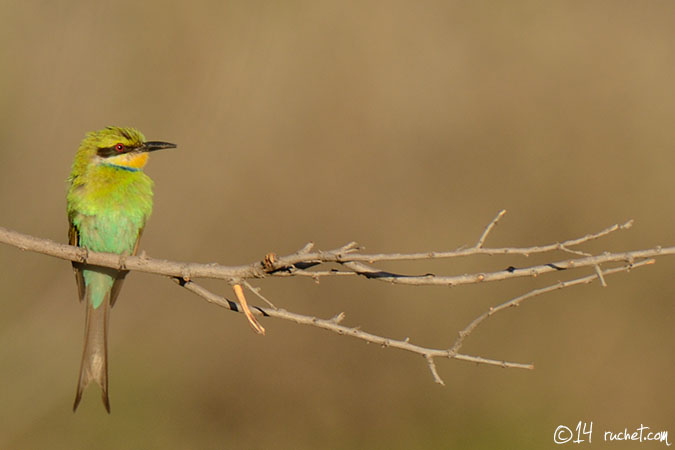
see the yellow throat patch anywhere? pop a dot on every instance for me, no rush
(134, 160)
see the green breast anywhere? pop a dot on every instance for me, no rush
(109, 206)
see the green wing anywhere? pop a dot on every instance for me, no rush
(119, 279)
(74, 239)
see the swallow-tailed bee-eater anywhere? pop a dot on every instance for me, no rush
(109, 201)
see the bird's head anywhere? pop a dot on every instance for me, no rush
(116, 146)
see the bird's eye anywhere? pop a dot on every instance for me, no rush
(119, 148)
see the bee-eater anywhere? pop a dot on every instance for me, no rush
(109, 201)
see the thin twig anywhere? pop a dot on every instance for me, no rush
(598, 271)
(334, 256)
(256, 291)
(517, 300)
(333, 324)
(432, 368)
(489, 228)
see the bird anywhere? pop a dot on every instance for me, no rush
(109, 201)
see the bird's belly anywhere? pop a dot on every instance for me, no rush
(112, 233)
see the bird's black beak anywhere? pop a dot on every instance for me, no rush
(151, 146)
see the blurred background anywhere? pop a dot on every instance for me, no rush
(404, 126)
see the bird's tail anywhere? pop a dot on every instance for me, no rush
(94, 366)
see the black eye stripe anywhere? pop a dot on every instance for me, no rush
(106, 152)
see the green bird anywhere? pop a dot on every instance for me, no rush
(109, 201)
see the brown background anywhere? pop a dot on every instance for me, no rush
(405, 126)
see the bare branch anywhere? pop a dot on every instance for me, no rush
(511, 272)
(308, 262)
(188, 270)
(333, 325)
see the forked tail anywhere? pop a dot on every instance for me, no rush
(94, 366)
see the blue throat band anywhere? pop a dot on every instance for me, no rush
(128, 169)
